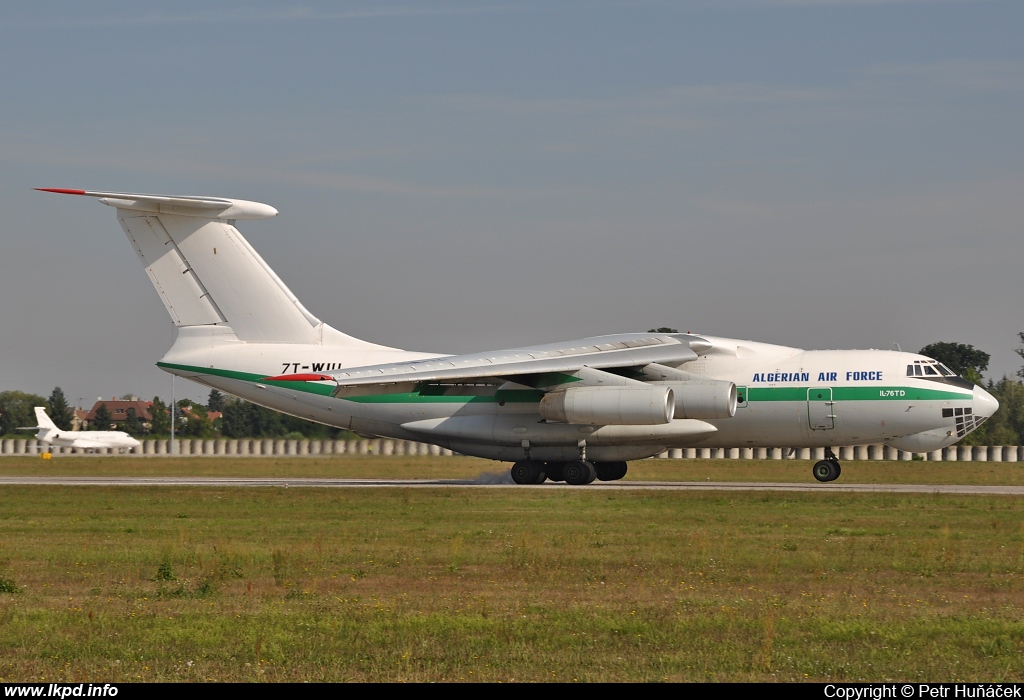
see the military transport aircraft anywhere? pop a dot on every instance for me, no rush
(81, 439)
(571, 411)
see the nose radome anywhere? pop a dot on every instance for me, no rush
(984, 403)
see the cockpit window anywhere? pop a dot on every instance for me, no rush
(929, 368)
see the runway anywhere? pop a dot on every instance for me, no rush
(501, 481)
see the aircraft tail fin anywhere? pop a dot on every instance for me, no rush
(204, 270)
(43, 421)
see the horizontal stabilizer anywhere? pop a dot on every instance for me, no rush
(202, 207)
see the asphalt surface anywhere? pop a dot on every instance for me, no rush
(502, 481)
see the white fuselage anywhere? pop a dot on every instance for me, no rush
(787, 398)
(88, 440)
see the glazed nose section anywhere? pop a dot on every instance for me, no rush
(984, 403)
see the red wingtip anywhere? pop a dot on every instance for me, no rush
(59, 190)
(300, 378)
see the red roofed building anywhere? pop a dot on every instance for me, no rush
(118, 410)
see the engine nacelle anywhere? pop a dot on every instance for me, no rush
(610, 405)
(703, 399)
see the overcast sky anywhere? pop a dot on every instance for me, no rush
(459, 176)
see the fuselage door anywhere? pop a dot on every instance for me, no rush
(821, 413)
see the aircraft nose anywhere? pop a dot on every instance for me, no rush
(984, 403)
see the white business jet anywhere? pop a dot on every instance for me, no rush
(571, 411)
(81, 439)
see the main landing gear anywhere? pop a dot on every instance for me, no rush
(528, 472)
(827, 469)
(576, 473)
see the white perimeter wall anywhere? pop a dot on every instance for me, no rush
(301, 448)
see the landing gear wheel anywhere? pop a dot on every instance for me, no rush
(579, 472)
(528, 472)
(555, 470)
(610, 471)
(826, 470)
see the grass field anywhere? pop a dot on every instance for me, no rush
(517, 584)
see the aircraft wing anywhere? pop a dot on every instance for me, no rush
(603, 352)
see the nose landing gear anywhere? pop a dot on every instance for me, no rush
(827, 469)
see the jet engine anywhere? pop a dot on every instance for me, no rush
(611, 405)
(703, 399)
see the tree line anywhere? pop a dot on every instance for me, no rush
(241, 419)
(238, 419)
(1006, 426)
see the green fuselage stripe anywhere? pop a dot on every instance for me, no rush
(854, 393)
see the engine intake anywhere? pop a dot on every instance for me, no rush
(612, 405)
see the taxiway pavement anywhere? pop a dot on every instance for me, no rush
(501, 481)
